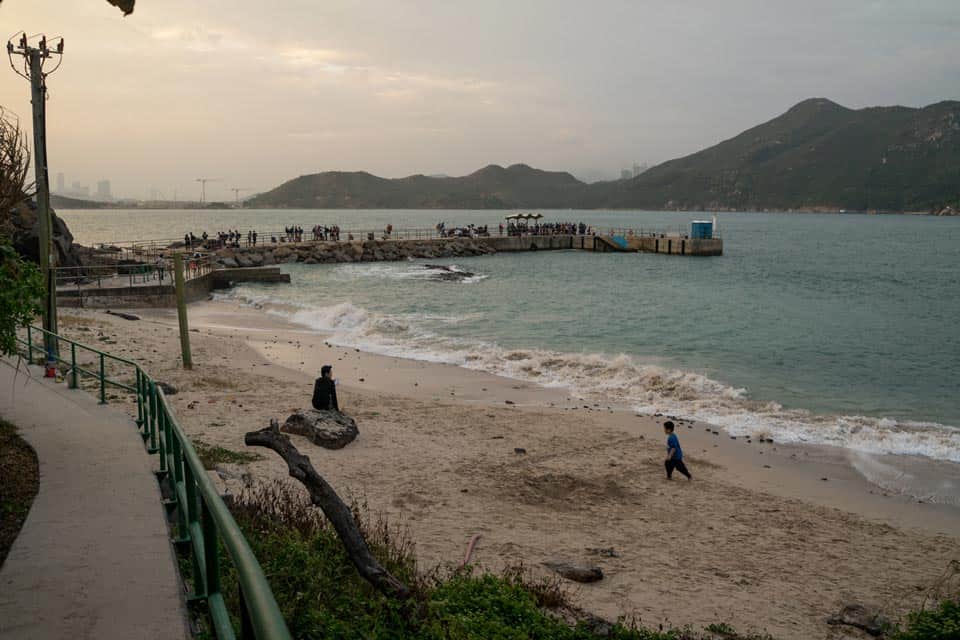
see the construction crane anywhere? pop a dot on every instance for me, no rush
(203, 187)
(236, 193)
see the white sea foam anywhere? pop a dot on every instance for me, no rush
(620, 378)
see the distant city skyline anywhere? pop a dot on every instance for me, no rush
(256, 96)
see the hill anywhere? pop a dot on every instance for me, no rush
(817, 155)
(492, 187)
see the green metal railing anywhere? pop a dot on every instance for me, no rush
(203, 521)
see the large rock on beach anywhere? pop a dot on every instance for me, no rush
(328, 429)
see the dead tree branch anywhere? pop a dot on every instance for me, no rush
(324, 496)
(14, 162)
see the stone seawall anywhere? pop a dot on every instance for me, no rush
(384, 250)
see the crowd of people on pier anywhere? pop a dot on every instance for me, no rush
(324, 233)
(548, 229)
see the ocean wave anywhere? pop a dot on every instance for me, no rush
(620, 378)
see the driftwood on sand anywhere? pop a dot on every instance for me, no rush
(337, 512)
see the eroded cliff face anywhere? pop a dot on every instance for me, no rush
(22, 226)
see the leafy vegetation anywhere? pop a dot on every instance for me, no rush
(212, 455)
(21, 290)
(940, 623)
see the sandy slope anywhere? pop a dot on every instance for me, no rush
(758, 540)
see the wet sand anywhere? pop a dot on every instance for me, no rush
(766, 537)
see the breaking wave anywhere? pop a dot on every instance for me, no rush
(622, 379)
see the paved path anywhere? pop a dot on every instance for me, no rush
(94, 558)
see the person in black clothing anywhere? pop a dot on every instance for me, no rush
(325, 390)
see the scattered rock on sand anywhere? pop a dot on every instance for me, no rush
(328, 429)
(574, 571)
(606, 552)
(866, 618)
(519, 450)
(168, 389)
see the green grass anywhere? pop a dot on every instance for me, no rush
(212, 455)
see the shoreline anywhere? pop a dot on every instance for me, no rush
(804, 464)
(764, 547)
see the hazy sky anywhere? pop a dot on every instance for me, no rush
(257, 92)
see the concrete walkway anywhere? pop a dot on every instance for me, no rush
(94, 558)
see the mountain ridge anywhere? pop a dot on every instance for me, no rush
(817, 155)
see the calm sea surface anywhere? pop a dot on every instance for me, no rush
(836, 329)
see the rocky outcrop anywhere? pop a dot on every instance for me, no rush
(865, 618)
(947, 211)
(328, 429)
(352, 251)
(22, 226)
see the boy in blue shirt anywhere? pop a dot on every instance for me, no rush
(674, 453)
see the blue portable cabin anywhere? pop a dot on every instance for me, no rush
(701, 229)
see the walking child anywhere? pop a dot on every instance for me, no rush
(674, 452)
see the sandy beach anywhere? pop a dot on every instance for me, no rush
(766, 537)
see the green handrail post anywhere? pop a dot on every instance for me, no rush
(73, 365)
(183, 533)
(139, 398)
(154, 406)
(164, 439)
(103, 381)
(211, 554)
(193, 522)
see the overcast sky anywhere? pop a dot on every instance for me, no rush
(257, 92)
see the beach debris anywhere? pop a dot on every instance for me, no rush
(470, 547)
(865, 618)
(168, 389)
(324, 496)
(509, 402)
(120, 314)
(824, 479)
(361, 379)
(519, 451)
(327, 429)
(574, 571)
(606, 552)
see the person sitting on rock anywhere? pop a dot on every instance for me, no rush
(325, 391)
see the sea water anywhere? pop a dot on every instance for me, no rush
(827, 329)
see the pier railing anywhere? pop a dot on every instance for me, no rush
(203, 521)
(130, 273)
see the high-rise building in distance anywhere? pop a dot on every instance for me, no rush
(103, 190)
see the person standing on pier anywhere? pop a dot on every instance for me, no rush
(325, 391)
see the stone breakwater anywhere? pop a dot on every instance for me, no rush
(355, 251)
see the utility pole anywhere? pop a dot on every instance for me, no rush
(34, 59)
